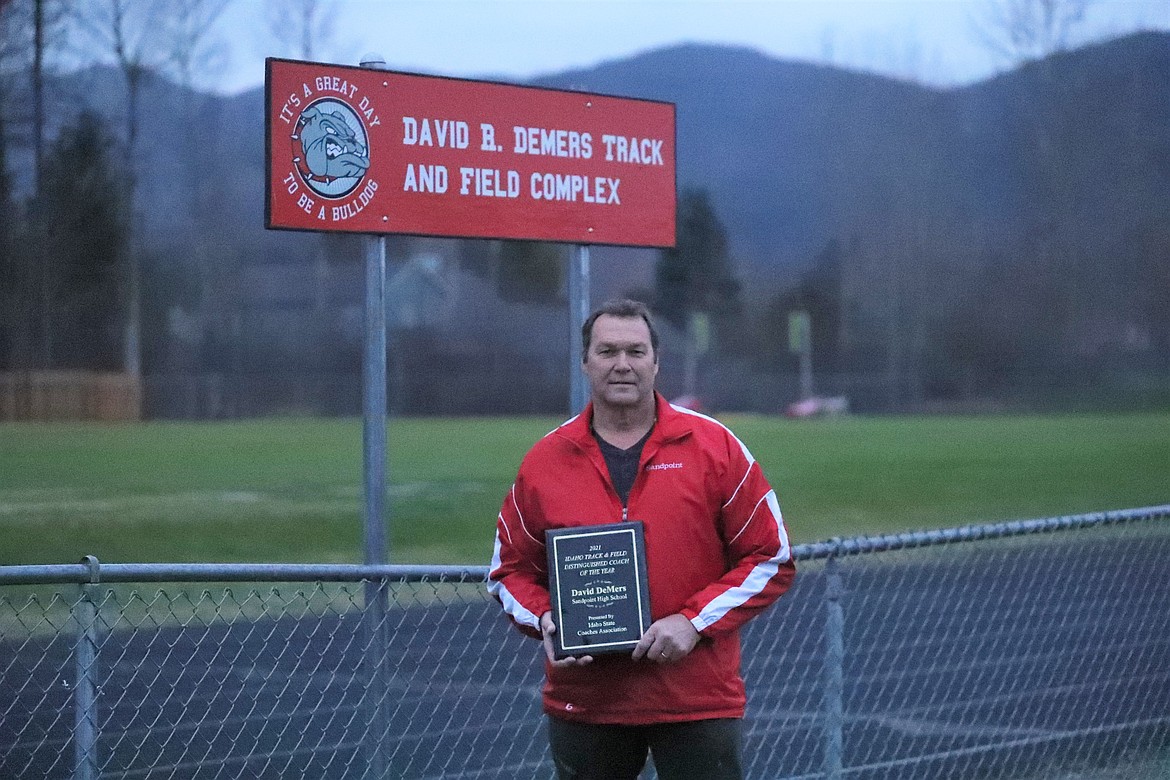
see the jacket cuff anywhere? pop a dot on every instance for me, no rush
(692, 616)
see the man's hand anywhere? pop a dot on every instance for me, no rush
(667, 640)
(547, 629)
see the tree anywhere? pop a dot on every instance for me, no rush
(303, 28)
(17, 307)
(191, 46)
(14, 320)
(190, 51)
(1033, 32)
(23, 25)
(18, 38)
(78, 225)
(128, 31)
(7, 210)
(819, 294)
(14, 40)
(32, 33)
(696, 275)
(1022, 31)
(694, 281)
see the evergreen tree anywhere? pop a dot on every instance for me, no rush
(79, 230)
(818, 293)
(7, 212)
(696, 275)
(695, 285)
(9, 284)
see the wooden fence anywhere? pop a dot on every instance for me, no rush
(70, 395)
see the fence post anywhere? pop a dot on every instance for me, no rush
(377, 638)
(85, 729)
(834, 663)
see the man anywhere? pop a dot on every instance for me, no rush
(717, 554)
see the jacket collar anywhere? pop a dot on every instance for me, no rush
(670, 425)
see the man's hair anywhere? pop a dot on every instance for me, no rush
(625, 308)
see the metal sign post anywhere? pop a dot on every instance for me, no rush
(376, 631)
(578, 313)
(374, 480)
(374, 402)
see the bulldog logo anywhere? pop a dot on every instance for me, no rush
(330, 148)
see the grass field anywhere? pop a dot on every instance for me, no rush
(290, 489)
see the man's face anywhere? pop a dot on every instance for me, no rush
(621, 364)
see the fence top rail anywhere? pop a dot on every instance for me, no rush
(976, 532)
(91, 571)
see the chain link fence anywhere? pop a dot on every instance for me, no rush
(1038, 649)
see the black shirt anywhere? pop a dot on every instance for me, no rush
(622, 464)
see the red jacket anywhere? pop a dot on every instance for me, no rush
(716, 552)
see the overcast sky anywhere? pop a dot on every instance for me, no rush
(933, 41)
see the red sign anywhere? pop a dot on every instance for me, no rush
(372, 151)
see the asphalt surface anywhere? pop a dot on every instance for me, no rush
(993, 659)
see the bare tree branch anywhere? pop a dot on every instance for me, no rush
(189, 34)
(128, 32)
(1020, 31)
(303, 28)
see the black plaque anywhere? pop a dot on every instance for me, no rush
(597, 579)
